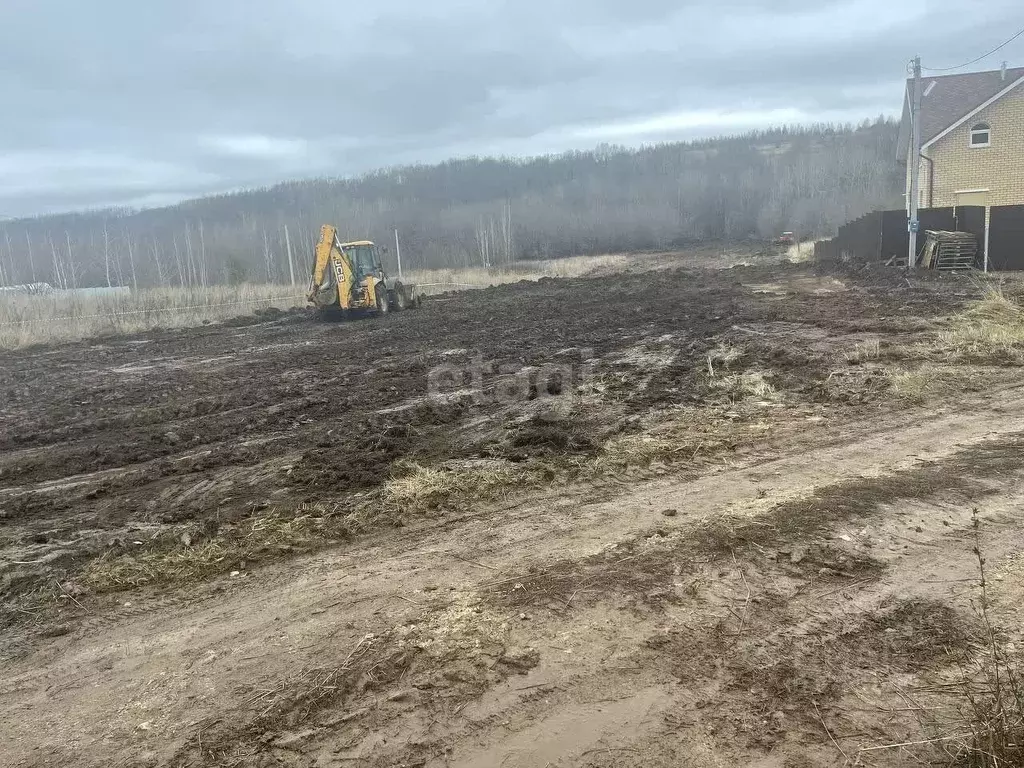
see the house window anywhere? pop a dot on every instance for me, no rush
(981, 135)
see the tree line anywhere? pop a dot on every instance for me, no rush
(479, 211)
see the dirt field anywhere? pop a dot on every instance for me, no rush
(659, 517)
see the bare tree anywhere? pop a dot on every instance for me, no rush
(202, 253)
(106, 252)
(268, 257)
(178, 262)
(10, 277)
(193, 277)
(288, 247)
(31, 259)
(160, 277)
(131, 259)
(506, 231)
(71, 264)
(59, 278)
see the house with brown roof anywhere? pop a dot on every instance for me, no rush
(972, 136)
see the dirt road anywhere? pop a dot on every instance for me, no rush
(720, 539)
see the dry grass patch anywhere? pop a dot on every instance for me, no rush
(724, 356)
(911, 386)
(745, 386)
(800, 253)
(110, 573)
(70, 316)
(929, 380)
(67, 316)
(978, 720)
(739, 385)
(865, 351)
(682, 434)
(989, 331)
(261, 538)
(419, 490)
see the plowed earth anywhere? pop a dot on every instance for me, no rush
(207, 559)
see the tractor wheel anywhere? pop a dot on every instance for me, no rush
(400, 298)
(383, 304)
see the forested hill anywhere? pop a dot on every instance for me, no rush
(480, 210)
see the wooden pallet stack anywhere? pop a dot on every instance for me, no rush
(949, 251)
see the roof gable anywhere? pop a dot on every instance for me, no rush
(951, 99)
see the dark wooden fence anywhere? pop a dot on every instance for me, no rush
(861, 239)
(1006, 237)
(971, 218)
(882, 236)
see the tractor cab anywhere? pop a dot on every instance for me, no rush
(365, 256)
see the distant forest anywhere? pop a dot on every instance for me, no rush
(479, 211)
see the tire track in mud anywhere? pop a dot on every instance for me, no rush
(786, 645)
(769, 629)
(585, 527)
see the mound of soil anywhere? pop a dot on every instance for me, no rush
(549, 436)
(353, 462)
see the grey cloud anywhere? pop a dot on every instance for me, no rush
(147, 102)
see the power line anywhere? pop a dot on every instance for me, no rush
(975, 61)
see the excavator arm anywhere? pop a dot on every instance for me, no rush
(333, 273)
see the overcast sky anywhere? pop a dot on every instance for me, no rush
(145, 102)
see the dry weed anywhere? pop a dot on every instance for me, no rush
(723, 356)
(679, 435)
(911, 386)
(737, 386)
(989, 331)
(986, 719)
(418, 490)
(800, 253)
(865, 351)
(744, 386)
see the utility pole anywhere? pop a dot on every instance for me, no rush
(913, 222)
(398, 253)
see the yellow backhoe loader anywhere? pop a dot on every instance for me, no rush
(349, 279)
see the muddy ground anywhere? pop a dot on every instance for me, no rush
(668, 516)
